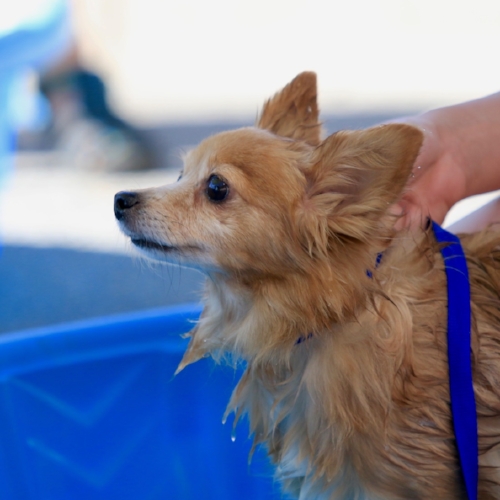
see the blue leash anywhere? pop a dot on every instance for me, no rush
(463, 404)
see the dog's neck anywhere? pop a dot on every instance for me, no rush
(261, 318)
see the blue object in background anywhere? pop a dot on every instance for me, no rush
(7, 126)
(91, 410)
(32, 34)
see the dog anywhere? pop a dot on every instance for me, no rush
(346, 379)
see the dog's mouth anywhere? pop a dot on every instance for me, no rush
(152, 245)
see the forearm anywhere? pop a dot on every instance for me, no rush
(470, 133)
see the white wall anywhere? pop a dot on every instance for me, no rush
(182, 59)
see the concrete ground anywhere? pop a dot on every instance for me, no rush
(63, 257)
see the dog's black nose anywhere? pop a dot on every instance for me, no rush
(123, 201)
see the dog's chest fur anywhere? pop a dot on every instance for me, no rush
(327, 426)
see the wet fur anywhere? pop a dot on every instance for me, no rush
(359, 409)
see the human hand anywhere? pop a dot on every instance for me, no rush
(437, 182)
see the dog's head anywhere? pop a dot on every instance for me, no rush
(269, 200)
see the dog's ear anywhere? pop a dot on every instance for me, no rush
(353, 179)
(293, 112)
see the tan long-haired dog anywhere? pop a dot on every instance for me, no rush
(347, 377)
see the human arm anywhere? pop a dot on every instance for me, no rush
(460, 157)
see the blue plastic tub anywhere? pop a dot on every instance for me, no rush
(91, 411)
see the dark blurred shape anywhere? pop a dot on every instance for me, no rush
(86, 129)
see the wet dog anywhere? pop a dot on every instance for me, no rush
(346, 379)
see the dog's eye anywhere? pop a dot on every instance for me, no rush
(217, 189)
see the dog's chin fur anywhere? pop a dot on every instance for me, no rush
(346, 381)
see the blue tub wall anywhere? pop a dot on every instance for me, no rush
(92, 411)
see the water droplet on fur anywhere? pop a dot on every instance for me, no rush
(233, 436)
(224, 420)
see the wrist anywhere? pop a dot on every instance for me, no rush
(445, 147)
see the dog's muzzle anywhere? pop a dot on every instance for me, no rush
(124, 201)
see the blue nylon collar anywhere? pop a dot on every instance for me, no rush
(463, 404)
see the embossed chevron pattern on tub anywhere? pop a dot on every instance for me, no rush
(90, 431)
(92, 404)
(86, 431)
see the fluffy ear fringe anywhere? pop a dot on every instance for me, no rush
(354, 178)
(293, 112)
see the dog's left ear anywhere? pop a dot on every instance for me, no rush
(293, 112)
(353, 179)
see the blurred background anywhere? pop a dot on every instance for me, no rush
(98, 96)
